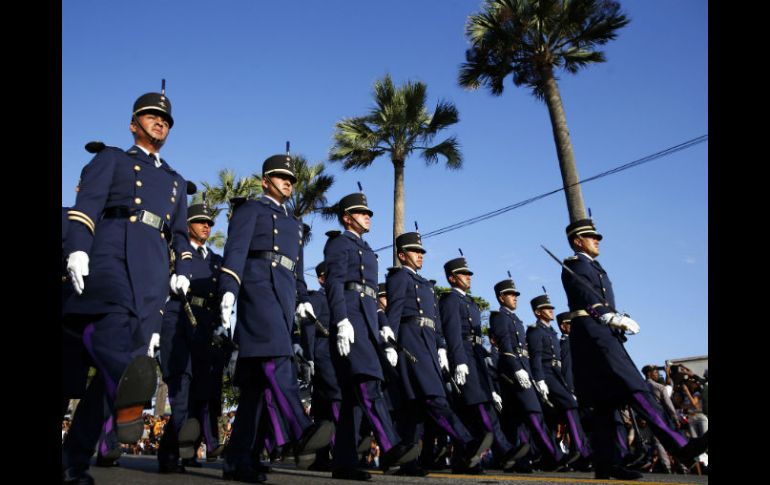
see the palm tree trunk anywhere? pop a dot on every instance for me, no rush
(569, 174)
(398, 205)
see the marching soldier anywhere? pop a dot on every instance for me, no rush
(461, 322)
(262, 268)
(412, 315)
(351, 287)
(128, 206)
(605, 376)
(546, 365)
(190, 365)
(514, 363)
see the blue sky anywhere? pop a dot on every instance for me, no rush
(245, 76)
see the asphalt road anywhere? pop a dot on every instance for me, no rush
(142, 470)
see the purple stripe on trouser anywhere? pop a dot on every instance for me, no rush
(576, 433)
(442, 421)
(109, 384)
(655, 418)
(485, 418)
(277, 431)
(335, 405)
(206, 423)
(269, 445)
(382, 438)
(106, 430)
(543, 436)
(282, 402)
(622, 441)
(523, 436)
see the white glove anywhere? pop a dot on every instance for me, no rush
(312, 367)
(543, 388)
(297, 348)
(154, 343)
(498, 401)
(179, 284)
(386, 332)
(461, 372)
(220, 331)
(226, 307)
(443, 362)
(345, 336)
(574, 397)
(621, 321)
(392, 355)
(77, 267)
(523, 378)
(305, 310)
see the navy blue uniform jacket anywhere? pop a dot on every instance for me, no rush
(459, 316)
(544, 350)
(350, 259)
(128, 260)
(411, 295)
(266, 292)
(317, 348)
(603, 370)
(511, 339)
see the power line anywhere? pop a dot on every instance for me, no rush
(488, 215)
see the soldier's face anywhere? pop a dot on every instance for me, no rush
(413, 259)
(545, 314)
(509, 300)
(462, 281)
(589, 245)
(362, 221)
(153, 123)
(200, 231)
(280, 188)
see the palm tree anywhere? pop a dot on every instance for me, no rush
(309, 195)
(530, 39)
(398, 124)
(228, 189)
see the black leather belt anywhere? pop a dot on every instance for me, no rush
(359, 288)
(421, 321)
(276, 258)
(144, 216)
(473, 339)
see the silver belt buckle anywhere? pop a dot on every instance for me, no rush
(286, 263)
(151, 219)
(197, 301)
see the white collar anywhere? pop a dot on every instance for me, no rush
(584, 254)
(154, 156)
(196, 246)
(353, 233)
(410, 269)
(459, 290)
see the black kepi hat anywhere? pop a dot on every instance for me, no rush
(354, 202)
(199, 213)
(154, 102)
(381, 290)
(564, 317)
(282, 164)
(455, 266)
(505, 286)
(541, 302)
(320, 270)
(583, 227)
(409, 241)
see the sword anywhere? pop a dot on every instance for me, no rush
(320, 327)
(452, 382)
(188, 311)
(401, 348)
(540, 393)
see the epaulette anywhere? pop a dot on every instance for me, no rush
(532, 325)
(237, 201)
(571, 258)
(191, 188)
(393, 269)
(333, 233)
(493, 313)
(95, 146)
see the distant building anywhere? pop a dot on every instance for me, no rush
(697, 364)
